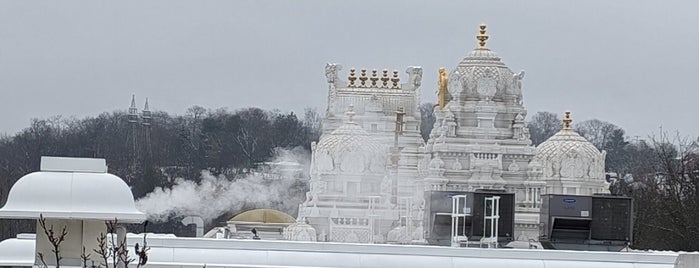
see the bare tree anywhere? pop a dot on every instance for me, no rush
(665, 189)
(596, 131)
(427, 119)
(55, 239)
(542, 126)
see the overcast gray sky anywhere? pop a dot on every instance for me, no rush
(632, 63)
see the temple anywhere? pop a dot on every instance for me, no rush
(371, 168)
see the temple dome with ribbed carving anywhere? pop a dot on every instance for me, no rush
(349, 148)
(567, 154)
(481, 75)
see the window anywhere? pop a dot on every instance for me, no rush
(374, 128)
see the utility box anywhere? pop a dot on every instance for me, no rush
(438, 206)
(506, 223)
(438, 215)
(597, 222)
(612, 218)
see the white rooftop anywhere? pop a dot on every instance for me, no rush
(197, 252)
(71, 188)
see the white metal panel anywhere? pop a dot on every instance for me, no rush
(72, 164)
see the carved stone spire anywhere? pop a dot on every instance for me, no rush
(482, 37)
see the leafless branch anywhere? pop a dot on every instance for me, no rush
(54, 239)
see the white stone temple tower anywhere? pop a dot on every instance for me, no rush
(385, 106)
(350, 195)
(479, 139)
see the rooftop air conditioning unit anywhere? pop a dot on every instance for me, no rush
(574, 222)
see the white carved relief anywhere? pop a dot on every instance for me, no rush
(414, 75)
(548, 169)
(436, 163)
(352, 162)
(324, 162)
(456, 165)
(378, 164)
(513, 167)
(517, 83)
(486, 87)
(331, 70)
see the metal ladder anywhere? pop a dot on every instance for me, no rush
(492, 216)
(458, 214)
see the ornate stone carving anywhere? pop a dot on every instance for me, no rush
(352, 162)
(513, 167)
(518, 132)
(414, 75)
(527, 136)
(436, 167)
(324, 162)
(378, 164)
(450, 123)
(517, 83)
(331, 70)
(456, 165)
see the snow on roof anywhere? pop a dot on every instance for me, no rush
(87, 193)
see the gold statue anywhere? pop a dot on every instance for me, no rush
(442, 93)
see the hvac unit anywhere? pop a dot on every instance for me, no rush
(472, 218)
(597, 222)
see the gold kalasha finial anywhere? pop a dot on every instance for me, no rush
(395, 79)
(482, 37)
(374, 77)
(352, 77)
(363, 78)
(567, 121)
(385, 79)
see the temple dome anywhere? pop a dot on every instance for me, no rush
(482, 75)
(569, 155)
(349, 149)
(263, 216)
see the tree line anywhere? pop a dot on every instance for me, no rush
(223, 142)
(660, 173)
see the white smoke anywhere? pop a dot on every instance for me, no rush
(214, 196)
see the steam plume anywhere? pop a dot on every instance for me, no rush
(218, 195)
